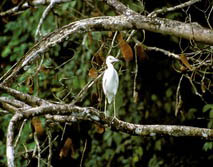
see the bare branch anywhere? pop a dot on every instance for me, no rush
(32, 100)
(49, 135)
(14, 102)
(10, 139)
(164, 10)
(166, 52)
(19, 133)
(121, 8)
(38, 148)
(27, 5)
(83, 91)
(159, 25)
(44, 15)
(94, 115)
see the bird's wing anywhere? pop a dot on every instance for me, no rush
(104, 80)
(116, 82)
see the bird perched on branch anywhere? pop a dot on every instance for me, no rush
(110, 82)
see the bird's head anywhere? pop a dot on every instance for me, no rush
(111, 59)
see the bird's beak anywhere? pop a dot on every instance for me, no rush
(117, 60)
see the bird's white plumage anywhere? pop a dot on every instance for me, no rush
(110, 83)
(110, 80)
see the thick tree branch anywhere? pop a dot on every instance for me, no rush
(114, 23)
(73, 113)
(14, 102)
(31, 100)
(94, 115)
(121, 8)
(10, 139)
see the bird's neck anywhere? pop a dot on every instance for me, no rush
(109, 65)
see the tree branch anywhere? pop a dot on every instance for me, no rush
(94, 115)
(121, 8)
(27, 5)
(72, 113)
(113, 23)
(32, 100)
(44, 15)
(14, 102)
(10, 139)
(180, 6)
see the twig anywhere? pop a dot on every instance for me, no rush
(19, 133)
(209, 17)
(168, 53)
(83, 91)
(164, 10)
(51, 143)
(49, 135)
(38, 148)
(112, 43)
(64, 130)
(135, 93)
(195, 89)
(44, 15)
(178, 97)
(82, 157)
(5, 74)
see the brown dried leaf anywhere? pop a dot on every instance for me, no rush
(182, 68)
(66, 148)
(16, 1)
(90, 38)
(100, 129)
(126, 49)
(29, 84)
(93, 73)
(185, 62)
(37, 125)
(140, 53)
(99, 58)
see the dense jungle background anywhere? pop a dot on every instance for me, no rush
(154, 88)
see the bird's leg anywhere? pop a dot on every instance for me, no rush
(114, 109)
(105, 107)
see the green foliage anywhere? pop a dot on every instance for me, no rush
(208, 146)
(155, 162)
(208, 107)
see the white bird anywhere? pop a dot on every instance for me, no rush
(110, 82)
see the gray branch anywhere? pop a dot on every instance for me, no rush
(34, 3)
(113, 23)
(31, 100)
(73, 113)
(94, 115)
